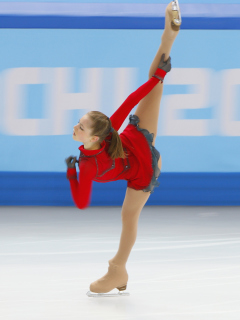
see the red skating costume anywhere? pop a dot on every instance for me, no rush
(139, 168)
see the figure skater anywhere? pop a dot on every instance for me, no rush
(106, 156)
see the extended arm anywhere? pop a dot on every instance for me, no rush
(81, 190)
(134, 98)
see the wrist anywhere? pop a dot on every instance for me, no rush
(71, 173)
(160, 74)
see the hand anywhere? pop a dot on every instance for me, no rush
(165, 65)
(70, 161)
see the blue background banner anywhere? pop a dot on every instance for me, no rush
(61, 15)
(51, 78)
(187, 189)
(123, 1)
(47, 85)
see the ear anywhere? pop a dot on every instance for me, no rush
(95, 139)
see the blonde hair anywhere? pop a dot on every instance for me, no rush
(101, 126)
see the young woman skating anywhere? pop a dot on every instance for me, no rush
(106, 156)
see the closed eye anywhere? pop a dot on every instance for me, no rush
(80, 125)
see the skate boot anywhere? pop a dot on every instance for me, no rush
(176, 15)
(115, 278)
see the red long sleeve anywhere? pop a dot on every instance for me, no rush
(133, 99)
(81, 190)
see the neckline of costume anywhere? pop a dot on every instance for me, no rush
(92, 152)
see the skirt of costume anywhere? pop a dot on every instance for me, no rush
(147, 155)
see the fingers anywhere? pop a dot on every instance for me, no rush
(162, 57)
(167, 61)
(69, 159)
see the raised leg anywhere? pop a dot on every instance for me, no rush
(148, 108)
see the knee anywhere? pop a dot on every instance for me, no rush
(130, 216)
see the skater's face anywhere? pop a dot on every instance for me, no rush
(82, 131)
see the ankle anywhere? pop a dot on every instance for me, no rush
(115, 262)
(168, 37)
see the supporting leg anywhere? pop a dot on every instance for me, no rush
(132, 206)
(117, 276)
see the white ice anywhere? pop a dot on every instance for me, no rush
(185, 264)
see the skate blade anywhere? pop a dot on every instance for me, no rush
(108, 294)
(177, 19)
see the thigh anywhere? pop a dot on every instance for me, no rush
(133, 203)
(148, 110)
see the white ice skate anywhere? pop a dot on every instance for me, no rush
(113, 293)
(177, 20)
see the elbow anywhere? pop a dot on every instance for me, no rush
(82, 206)
(81, 203)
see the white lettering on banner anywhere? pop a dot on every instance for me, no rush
(63, 101)
(58, 100)
(14, 101)
(199, 82)
(229, 126)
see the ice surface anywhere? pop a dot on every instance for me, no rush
(185, 263)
